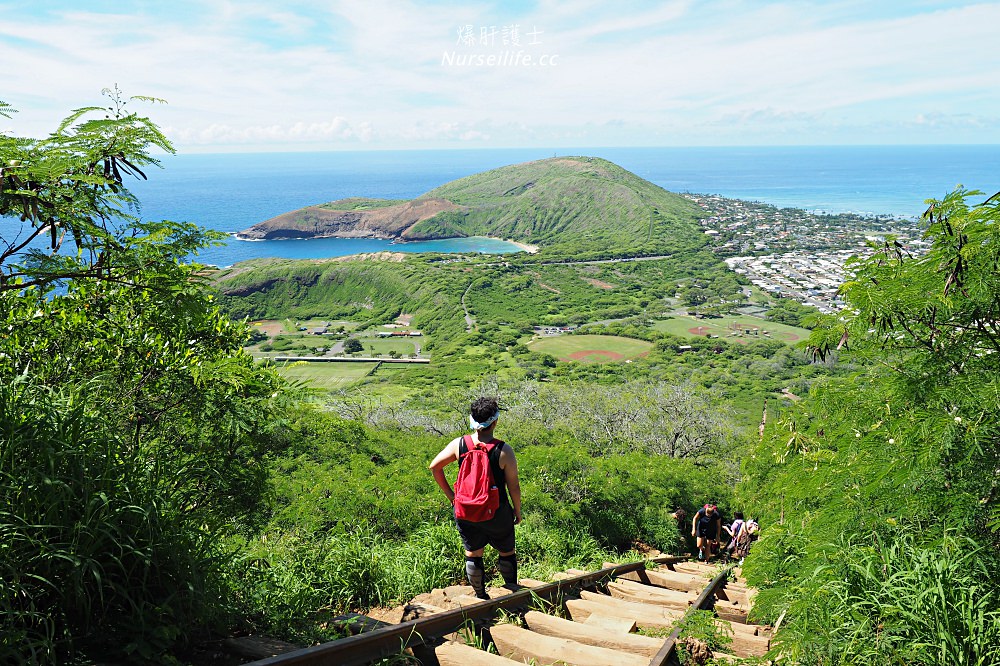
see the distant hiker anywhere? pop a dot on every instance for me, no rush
(745, 539)
(707, 527)
(680, 517)
(484, 513)
(734, 532)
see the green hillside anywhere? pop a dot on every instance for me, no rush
(581, 203)
(580, 207)
(366, 288)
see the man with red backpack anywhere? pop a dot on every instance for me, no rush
(487, 494)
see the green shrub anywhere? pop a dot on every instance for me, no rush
(98, 555)
(897, 599)
(703, 626)
(290, 584)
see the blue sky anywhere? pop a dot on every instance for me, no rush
(367, 74)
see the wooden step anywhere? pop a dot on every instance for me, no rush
(468, 600)
(258, 647)
(517, 643)
(444, 597)
(739, 628)
(407, 612)
(619, 625)
(458, 654)
(646, 616)
(592, 634)
(748, 645)
(632, 591)
(696, 568)
(731, 594)
(666, 579)
(531, 582)
(731, 613)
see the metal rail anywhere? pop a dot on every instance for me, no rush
(667, 656)
(370, 646)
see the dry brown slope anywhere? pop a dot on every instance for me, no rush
(329, 222)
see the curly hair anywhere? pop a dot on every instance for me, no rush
(483, 408)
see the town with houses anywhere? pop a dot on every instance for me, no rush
(795, 253)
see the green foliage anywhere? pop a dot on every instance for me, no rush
(100, 554)
(370, 292)
(791, 312)
(703, 626)
(291, 583)
(581, 207)
(164, 364)
(71, 185)
(895, 598)
(571, 489)
(910, 441)
(133, 428)
(161, 450)
(931, 323)
(361, 203)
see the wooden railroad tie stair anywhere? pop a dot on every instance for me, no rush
(619, 616)
(601, 627)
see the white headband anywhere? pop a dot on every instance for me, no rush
(475, 425)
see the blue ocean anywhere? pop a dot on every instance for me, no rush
(230, 192)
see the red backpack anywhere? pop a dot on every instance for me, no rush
(477, 497)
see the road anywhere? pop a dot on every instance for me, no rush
(470, 323)
(619, 260)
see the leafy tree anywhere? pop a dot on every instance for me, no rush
(931, 323)
(790, 312)
(70, 187)
(899, 458)
(353, 346)
(134, 430)
(696, 295)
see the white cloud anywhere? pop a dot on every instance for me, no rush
(671, 71)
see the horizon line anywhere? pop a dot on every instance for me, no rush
(562, 151)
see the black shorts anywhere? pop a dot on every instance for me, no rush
(498, 531)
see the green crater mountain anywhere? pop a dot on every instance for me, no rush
(579, 206)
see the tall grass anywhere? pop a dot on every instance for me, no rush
(895, 600)
(94, 557)
(290, 585)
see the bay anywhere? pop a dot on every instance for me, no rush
(230, 192)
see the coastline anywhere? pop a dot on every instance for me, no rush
(524, 247)
(530, 249)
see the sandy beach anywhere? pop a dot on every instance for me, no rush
(530, 249)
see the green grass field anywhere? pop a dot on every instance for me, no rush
(325, 375)
(278, 326)
(591, 348)
(385, 345)
(687, 326)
